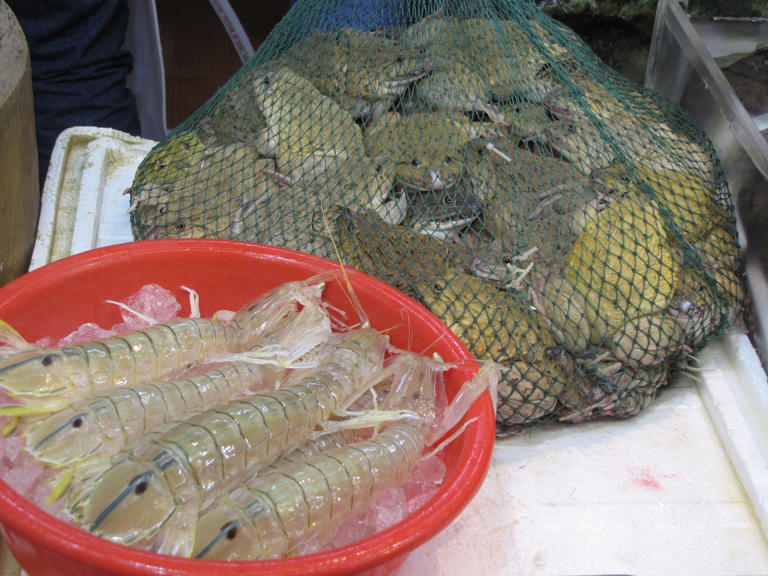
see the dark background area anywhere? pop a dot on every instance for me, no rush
(197, 53)
(199, 57)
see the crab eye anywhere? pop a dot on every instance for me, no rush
(448, 159)
(400, 59)
(379, 168)
(554, 351)
(180, 226)
(415, 162)
(47, 360)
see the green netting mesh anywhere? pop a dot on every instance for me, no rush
(562, 220)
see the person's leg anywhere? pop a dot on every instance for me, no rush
(79, 68)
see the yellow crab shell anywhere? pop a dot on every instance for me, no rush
(623, 265)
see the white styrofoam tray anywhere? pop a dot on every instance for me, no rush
(681, 489)
(83, 204)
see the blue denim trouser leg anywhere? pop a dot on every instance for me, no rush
(79, 68)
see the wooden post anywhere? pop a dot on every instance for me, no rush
(19, 180)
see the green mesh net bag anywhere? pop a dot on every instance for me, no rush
(563, 221)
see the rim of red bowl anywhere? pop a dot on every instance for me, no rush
(26, 520)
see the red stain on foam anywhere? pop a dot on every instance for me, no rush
(645, 479)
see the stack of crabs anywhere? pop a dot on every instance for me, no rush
(565, 223)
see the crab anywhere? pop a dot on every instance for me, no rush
(301, 120)
(365, 72)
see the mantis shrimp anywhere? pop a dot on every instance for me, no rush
(270, 515)
(101, 426)
(48, 379)
(157, 486)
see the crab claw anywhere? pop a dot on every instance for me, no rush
(437, 183)
(280, 179)
(496, 115)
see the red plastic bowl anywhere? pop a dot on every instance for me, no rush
(59, 297)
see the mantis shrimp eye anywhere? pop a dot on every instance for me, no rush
(400, 59)
(379, 168)
(415, 162)
(448, 159)
(230, 530)
(141, 487)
